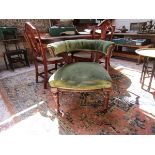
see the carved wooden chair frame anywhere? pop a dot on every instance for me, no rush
(32, 36)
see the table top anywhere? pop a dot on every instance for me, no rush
(146, 52)
(134, 34)
(46, 38)
(136, 46)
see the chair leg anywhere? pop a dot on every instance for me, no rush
(10, 62)
(5, 61)
(55, 93)
(106, 63)
(106, 99)
(26, 58)
(36, 68)
(152, 74)
(46, 76)
(143, 70)
(56, 66)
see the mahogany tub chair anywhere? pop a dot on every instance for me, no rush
(80, 77)
(104, 27)
(40, 53)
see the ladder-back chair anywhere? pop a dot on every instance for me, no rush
(14, 50)
(40, 53)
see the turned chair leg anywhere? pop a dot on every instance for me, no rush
(26, 58)
(45, 80)
(107, 63)
(106, 100)
(46, 76)
(36, 68)
(55, 93)
(5, 61)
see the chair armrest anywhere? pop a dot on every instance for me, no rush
(110, 50)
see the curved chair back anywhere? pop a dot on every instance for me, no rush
(83, 45)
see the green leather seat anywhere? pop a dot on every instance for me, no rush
(81, 76)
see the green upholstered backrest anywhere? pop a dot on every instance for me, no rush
(81, 76)
(79, 44)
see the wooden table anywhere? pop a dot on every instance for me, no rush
(46, 38)
(132, 35)
(139, 58)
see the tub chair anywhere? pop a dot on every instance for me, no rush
(80, 77)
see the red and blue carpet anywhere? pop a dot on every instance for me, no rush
(83, 113)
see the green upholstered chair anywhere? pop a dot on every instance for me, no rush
(80, 76)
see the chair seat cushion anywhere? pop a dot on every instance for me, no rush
(81, 76)
(50, 58)
(83, 54)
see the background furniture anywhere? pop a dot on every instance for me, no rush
(62, 27)
(58, 31)
(46, 38)
(6, 31)
(105, 27)
(129, 51)
(148, 70)
(79, 77)
(40, 53)
(13, 51)
(82, 24)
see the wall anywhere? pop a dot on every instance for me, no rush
(41, 24)
(120, 22)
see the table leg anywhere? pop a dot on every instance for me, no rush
(152, 74)
(139, 60)
(144, 69)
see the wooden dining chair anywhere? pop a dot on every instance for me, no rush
(40, 53)
(15, 52)
(105, 27)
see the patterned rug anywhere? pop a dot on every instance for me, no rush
(83, 114)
